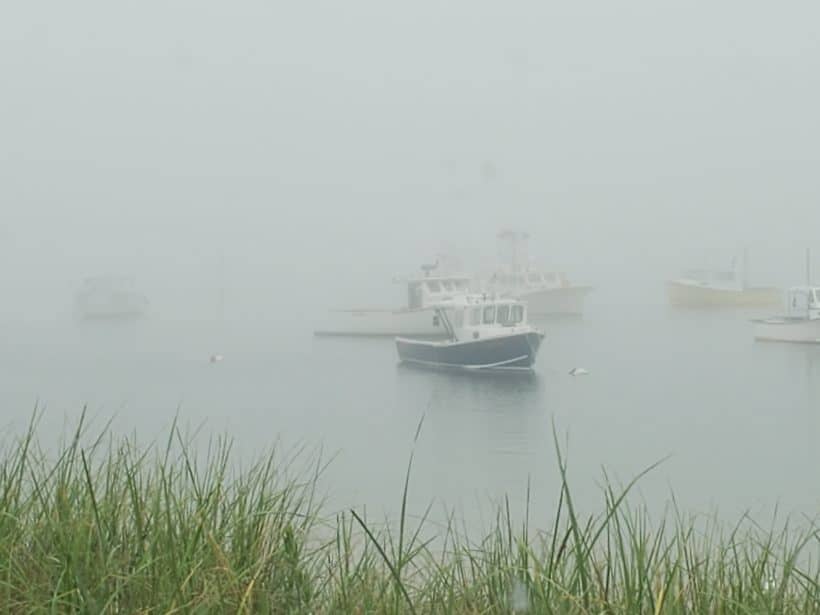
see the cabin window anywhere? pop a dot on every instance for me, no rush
(549, 277)
(433, 286)
(458, 319)
(461, 285)
(475, 316)
(448, 286)
(503, 314)
(533, 278)
(489, 315)
(516, 314)
(815, 298)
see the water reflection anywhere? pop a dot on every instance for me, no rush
(734, 413)
(489, 381)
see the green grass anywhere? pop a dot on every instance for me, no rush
(111, 527)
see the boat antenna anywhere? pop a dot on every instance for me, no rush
(808, 266)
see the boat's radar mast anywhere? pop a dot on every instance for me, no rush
(513, 249)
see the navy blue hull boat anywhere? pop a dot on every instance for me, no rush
(484, 334)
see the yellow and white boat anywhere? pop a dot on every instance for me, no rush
(711, 288)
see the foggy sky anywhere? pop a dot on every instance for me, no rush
(309, 144)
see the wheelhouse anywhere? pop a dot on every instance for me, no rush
(473, 317)
(426, 291)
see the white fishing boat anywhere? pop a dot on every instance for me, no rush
(482, 334)
(545, 292)
(110, 297)
(417, 318)
(729, 287)
(801, 321)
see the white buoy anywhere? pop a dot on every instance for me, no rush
(578, 371)
(215, 358)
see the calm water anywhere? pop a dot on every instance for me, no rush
(737, 419)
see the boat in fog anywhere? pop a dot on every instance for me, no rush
(708, 287)
(545, 292)
(417, 318)
(801, 321)
(110, 297)
(482, 334)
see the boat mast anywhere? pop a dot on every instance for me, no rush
(513, 248)
(808, 267)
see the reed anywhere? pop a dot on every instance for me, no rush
(104, 526)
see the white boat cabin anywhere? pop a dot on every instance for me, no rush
(803, 302)
(473, 317)
(425, 292)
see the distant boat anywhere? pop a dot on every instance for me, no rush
(110, 297)
(483, 334)
(416, 318)
(801, 322)
(546, 292)
(706, 287)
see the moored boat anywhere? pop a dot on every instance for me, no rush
(110, 297)
(545, 292)
(801, 321)
(715, 288)
(416, 318)
(483, 334)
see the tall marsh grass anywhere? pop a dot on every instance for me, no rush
(108, 527)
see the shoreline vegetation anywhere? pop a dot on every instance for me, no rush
(114, 528)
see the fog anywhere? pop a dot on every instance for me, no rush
(298, 156)
(309, 142)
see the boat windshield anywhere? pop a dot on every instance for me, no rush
(448, 286)
(489, 315)
(510, 314)
(433, 286)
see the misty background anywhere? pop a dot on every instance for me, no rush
(317, 149)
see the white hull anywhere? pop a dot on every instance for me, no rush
(408, 323)
(798, 330)
(568, 300)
